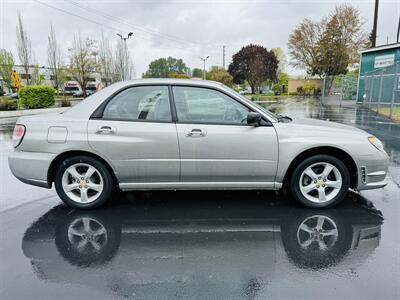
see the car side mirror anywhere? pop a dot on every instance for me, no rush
(254, 118)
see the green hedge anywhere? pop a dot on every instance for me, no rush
(37, 96)
(8, 104)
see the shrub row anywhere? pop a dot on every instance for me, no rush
(8, 104)
(37, 96)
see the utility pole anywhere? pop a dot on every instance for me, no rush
(374, 29)
(398, 31)
(223, 56)
(204, 65)
(124, 75)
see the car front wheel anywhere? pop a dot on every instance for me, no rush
(320, 181)
(83, 182)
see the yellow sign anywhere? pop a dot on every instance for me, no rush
(16, 80)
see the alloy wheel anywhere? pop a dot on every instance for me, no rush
(320, 182)
(82, 183)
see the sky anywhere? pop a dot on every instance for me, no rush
(182, 29)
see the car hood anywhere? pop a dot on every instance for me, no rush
(324, 125)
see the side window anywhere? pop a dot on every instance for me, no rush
(207, 106)
(150, 103)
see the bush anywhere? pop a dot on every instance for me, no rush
(8, 104)
(65, 102)
(300, 90)
(37, 96)
(1, 91)
(293, 93)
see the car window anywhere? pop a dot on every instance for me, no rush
(150, 103)
(203, 105)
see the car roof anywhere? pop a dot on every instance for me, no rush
(199, 82)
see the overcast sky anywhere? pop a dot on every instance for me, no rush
(182, 29)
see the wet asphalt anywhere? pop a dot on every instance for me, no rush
(208, 244)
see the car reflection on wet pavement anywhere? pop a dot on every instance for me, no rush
(206, 244)
(201, 247)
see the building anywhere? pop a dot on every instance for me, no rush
(378, 80)
(46, 77)
(293, 84)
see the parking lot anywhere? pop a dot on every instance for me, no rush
(208, 244)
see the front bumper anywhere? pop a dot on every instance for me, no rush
(31, 167)
(372, 171)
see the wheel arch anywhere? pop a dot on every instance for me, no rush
(327, 150)
(62, 156)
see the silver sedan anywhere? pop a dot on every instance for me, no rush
(189, 134)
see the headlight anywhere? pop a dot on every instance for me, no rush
(376, 142)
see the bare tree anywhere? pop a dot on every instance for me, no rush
(54, 60)
(123, 62)
(82, 62)
(106, 60)
(24, 48)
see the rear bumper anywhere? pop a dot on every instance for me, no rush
(31, 167)
(372, 171)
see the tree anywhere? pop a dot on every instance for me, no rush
(123, 62)
(106, 60)
(329, 46)
(82, 61)
(178, 75)
(303, 45)
(282, 84)
(162, 67)
(54, 60)
(255, 64)
(282, 59)
(24, 48)
(37, 78)
(6, 67)
(220, 74)
(198, 73)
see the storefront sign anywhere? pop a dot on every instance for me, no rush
(384, 61)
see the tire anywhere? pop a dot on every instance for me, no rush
(320, 181)
(80, 192)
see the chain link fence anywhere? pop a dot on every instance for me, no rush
(379, 90)
(340, 88)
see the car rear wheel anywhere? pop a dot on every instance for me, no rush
(320, 181)
(83, 182)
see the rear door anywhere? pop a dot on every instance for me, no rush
(136, 134)
(216, 143)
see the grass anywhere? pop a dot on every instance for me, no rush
(385, 111)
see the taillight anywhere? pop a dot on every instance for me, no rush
(18, 134)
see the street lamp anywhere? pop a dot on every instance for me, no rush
(125, 52)
(204, 65)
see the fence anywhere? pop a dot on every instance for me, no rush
(379, 90)
(339, 88)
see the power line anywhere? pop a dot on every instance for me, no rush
(116, 30)
(138, 27)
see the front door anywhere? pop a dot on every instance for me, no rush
(216, 143)
(137, 135)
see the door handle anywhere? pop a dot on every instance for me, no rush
(195, 132)
(105, 130)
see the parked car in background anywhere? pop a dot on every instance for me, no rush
(189, 134)
(90, 88)
(72, 88)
